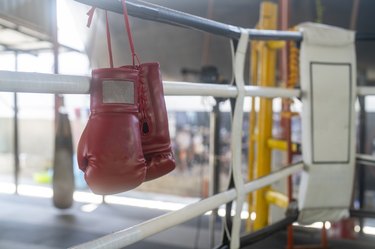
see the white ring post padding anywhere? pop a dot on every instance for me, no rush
(43, 83)
(143, 230)
(328, 82)
(236, 136)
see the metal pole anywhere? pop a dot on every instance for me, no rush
(177, 18)
(215, 152)
(54, 37)
(362, 149)
(212, 169)
(161, 14)
(353, 19)
(58, 99)
(15, 133)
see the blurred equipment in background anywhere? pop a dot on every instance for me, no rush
(63, 177)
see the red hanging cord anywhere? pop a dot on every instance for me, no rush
(128, 31)
(108, 33)
(90, 13)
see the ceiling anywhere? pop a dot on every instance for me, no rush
(26, 26)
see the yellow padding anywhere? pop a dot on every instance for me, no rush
(277, 199)
(281, 145)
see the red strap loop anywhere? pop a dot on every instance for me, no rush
(128, 31)
(108, 33)
(91, 12)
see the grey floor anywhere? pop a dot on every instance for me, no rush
(29, 222)
(308, 238)
(33, 223)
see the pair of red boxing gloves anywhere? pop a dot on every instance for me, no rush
(126, 140)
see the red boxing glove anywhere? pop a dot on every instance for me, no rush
(110, 149)
(153, 118)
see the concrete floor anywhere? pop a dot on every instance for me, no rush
(29, 222)
(33, 223)
(309, 238)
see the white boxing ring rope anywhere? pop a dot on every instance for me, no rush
(140, 231)
(25, 82)
(236, 136)
(365, 90)
(71, 84)
(367, 160)
(43, 83)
